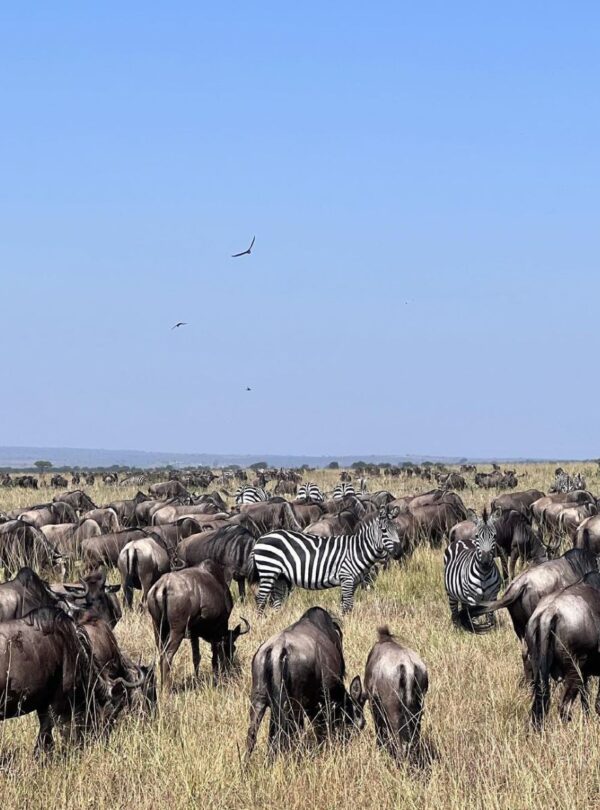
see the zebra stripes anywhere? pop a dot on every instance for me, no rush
(341, 490)
(134, 480)
(250, 495)
(563, 482)
(309, 492)
(315, 563)
(470, 573)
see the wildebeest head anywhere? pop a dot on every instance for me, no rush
(354, 706)
(94, 595)
(225, 648)
(389, 530)
(485, 539)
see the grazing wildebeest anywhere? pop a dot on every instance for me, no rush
(588, 534)
(195, 602)
(230, 546)
(169, 513)
(168, 489)
(527, 590)
(105, 548)
(59, 481)
(23, 544)
(126, 509)
(520, 501)
(307, 512)
(271, 515)
(299, 673)
(315, 563)
(105, 517)
(47, 513)
(78, 499)
(396, 682)
(141, 563)
(63, 685)
(563, 642)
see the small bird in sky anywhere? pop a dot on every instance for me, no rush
(177, 325)
(245, 252)
(248, 388)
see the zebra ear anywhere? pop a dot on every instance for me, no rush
(383, 512)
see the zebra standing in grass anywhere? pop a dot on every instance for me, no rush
(471, 575)
(309, 492)
(134, 481)
(292, 558)
(341, 490)
(250, 495)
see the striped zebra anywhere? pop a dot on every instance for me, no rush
(134, 481)
(471, 576)
(309, 492)
(283, 558)
(250, 495)
(563, 482)
(341, 490)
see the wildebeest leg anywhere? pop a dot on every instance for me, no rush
(527, 668)
(454, 614)
(257, 712)
(503, 563)
(45, 742)
(167, 654)
(597, 704)
(570, 692)
(127, 594)
(195, 642)
(241, 583)
(584, 694)
(512, 563)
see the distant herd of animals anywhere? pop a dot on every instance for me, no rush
(183, 550)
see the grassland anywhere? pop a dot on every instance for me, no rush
(189, 756)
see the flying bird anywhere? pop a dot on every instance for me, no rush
(248, 389)
(245, 252)
(177, 325)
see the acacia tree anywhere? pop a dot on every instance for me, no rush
(42, 465)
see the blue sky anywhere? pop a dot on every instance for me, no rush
(422, 180)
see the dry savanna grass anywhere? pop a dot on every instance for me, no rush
(190, 755)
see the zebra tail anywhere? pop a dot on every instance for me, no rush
(541, 653)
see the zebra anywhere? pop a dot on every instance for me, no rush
(250, 495)
(134, 481)
(341, 490)
(309, 492)
(563, 482)
(284, 558)
(471, 575)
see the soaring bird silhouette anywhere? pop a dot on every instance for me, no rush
(248, 388)
(177, 325)
(245, 252)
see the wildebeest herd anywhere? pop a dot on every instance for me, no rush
(59, 656)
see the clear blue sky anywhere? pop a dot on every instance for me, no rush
(440, 154)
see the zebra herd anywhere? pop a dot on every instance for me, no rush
(306, 492)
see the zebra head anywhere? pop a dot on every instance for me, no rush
(485, 539)
(388, 529)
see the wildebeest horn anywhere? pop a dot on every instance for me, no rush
(85, 586)
(247, 623)
(131, 684)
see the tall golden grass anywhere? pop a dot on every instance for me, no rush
(190, 755)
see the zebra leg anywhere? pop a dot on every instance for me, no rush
(279, 593)
(348, 587)
(454, 615)
(265, 587)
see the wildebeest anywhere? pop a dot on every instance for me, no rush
(105, 548)
(271, 515)
(63, 685)
(91, 595)
(588, 534)
(195, 602)
(141, 563)
(230, 546)
(396, 682)
(168, 489)
(527, 590)
(78, 499)
(58, 481)
(23, 544)
(44, 514)
(105, 517)
(125, 510)
(520, 501)
(26, 592)
(300, 673)
(563, 641)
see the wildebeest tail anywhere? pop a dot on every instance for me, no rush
(278, 689)
(161, 617)
(540, 643)
(509, 598)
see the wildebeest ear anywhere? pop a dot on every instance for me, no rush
(112, 588)
(356, 688)
(472, 515)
